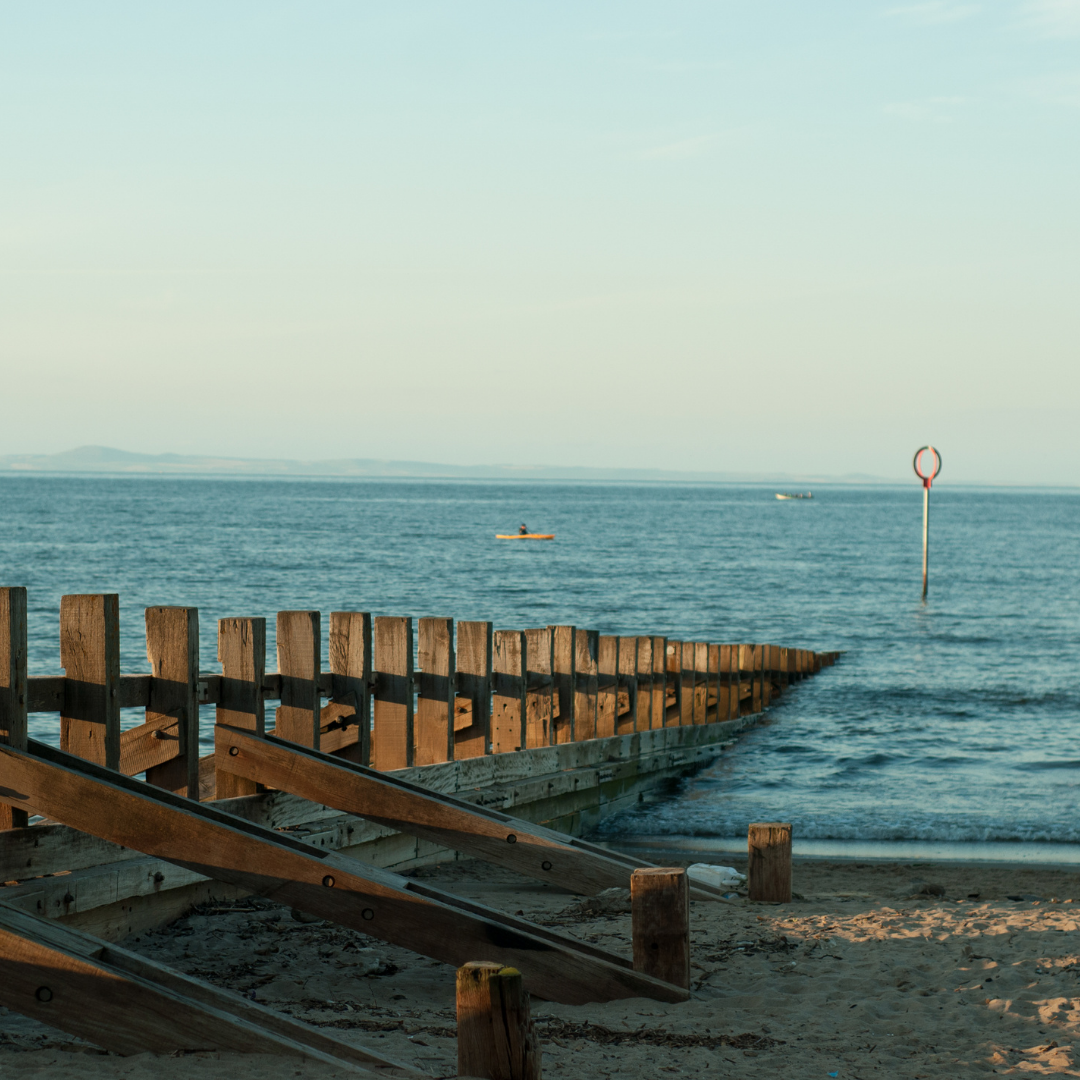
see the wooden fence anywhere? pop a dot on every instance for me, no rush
(399, 692)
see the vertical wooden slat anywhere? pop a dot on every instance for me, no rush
(746, 675)
(627, 721)
(299, 658)
(172, 647)
(607, 685)
(563, 666)
(659, 682)
(392, 736)
(90, 656)
(242, 655)
(766, 675)
(350, 681)
(714, 685)
(673, 677)
(759, 678)
(701, 681)
(586, 673)
(509, 666)
(539, 696)
(13, 689)
(644, 683)
(473, 689)
(688, 689)
(784, 668)
(434, 726)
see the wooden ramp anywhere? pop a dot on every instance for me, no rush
(482, 833)
(209, 841)
(121, 1001)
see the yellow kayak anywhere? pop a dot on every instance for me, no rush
(525, 536)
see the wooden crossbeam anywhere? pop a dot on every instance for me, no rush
(211, 842)
(124, 1002)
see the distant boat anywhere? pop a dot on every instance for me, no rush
(794, 495)
(524, 536)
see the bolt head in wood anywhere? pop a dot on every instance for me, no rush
(328, 881)
(511, 839)
(367, 914)
(43, 993)
(545, 865)
(233, 751)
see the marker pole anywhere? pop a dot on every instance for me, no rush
(927, 479)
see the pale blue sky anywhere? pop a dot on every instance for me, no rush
(742, 236)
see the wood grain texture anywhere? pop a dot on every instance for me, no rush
(205, 840)
(688, 684)
(728, 701)
(644, 683)
(674, 674)
(13, 684)
(242, 655)
(701, 681)
(626, 721)
(607, 686)
(299, 660)
(659, 682)
(346, 721)
(586, 672)
(392, 734)
(474, 660)
(495, 1036)
(90, 656)
(540, 686)
(660, 918)
(769, 864)
(563, 667)
(713, 684)
(509, 676)
(172, 647)
(434, 724)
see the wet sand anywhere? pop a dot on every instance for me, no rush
(870, 972)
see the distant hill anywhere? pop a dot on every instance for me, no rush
(107, 460)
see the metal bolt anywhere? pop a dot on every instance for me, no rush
(511, 839)
(367, 914)
(43, 993)
(545, 865)
(233, 751)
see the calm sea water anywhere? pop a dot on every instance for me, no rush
(956, 721)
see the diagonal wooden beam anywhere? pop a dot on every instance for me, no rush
(124, 1002)
(333, 886)
(477, 831)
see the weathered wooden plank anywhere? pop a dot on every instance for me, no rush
(713, 692)
(586, 645)
(172, 647)
(644, 683)
(204, 840)
(701, 681)
(13, 685)
(242, 655)
(495, 1036)
(659, 681)
(627, 717)
(769, 862)
(148, 745)
(688, 684)
(129, 1004)
(509, 679)
(299, 657)
(90, 656)
(392, 735)
(540, 686)
(50, 849)
(345, 723)
(673, 673)
(607, 686)
(473, 702)
(563, 657)
(434, 725)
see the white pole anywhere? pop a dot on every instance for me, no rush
(925, 533)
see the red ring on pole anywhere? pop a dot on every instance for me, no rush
(917, 462)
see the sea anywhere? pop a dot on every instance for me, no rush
(949, 728)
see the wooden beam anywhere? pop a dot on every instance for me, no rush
(701, 681)
(607, 686)
(129, 1004)
(345, 723)
(563, 667)
(90, 656)
(172, 647)
(495, 1035)
(673, 676)
(474, 645)
(509, 678)
(299, 660)
(405, 912)
(627, 717)
(242, 655)
(392, 736)
(688, 687)
(644, 683)
(434, 727)
(659, 681)
(13, 688)
(713, 693)
(540, 686)
(586, 646)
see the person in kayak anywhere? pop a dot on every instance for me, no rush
(523, 529)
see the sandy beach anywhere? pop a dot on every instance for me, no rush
(876, 969)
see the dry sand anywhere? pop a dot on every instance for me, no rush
(857, 978)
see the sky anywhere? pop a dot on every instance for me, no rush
(729, 236)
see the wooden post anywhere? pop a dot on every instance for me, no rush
(13, 689)
(784, 668)
(701, 682)
(660, 915)
(90, 656)
(626, 720)
(766, 675)
(508, 681)
(607, 686)
(688, 684)
(586, 672)
(345, 722)
(673, 683)
(472, 708)
(496, 1038)
(299, 659)
(242, 655)
(644, 684)
(713, 693)
(769, 866)
(563, 666)
(172, 647)
(659, 682)
(392, 737)
(539, 698)
(435, 700)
